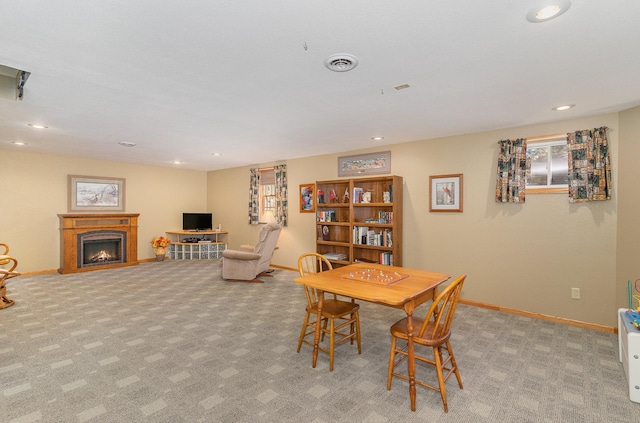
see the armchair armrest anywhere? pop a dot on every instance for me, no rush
(240, 255)
(249, 248)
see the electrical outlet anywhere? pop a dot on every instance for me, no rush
(575, 293)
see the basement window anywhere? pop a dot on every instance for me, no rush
(547, 164)
(267, 194)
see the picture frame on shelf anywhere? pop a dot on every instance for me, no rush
(307, 198)
(445, 193)
(95, 193)
(365, 164)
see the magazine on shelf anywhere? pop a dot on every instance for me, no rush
(335, 256)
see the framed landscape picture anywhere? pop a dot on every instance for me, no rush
(365, 164)
(95, 193)
(445, 193)
(307, 198)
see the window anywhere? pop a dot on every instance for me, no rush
(267, 194)
(547, 164)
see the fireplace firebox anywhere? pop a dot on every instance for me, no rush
(99, 248)
(97, 241)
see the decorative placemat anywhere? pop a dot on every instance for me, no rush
(377, 276)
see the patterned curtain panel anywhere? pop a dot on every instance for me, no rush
(589, 165)
(254, 196)
(281, 194)
(512, 169)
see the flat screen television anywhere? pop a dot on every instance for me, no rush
(197, 221)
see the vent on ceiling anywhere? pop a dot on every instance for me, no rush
(341, 62)
(12, 82)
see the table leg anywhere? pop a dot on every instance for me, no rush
(411, 363)
(316, 335)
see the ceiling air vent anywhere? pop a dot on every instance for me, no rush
(12, 82)
(341, 62)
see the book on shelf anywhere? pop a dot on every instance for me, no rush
(326, 216)
(385, 217)
(357, 195)
(359, 233)
(386, 258)
(363, 235)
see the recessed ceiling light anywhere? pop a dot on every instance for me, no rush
(216, 154)
(37, 126)
(563, 107)
(176, 162)
(377, 138)
(20, 143)
(127, 144)
(548, 9)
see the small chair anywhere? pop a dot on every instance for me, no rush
(435, 331)
(346, 312)
(6, 274)
(246, 264)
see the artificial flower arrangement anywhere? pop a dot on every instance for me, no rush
(160, 242)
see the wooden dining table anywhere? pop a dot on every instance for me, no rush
(391, 286)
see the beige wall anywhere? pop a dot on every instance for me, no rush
(35, 191)
(560, 245)
(524, 256)
(628, 239)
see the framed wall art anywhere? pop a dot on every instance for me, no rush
(365, 164)
(307, 198)
(445, 193)
(95, 194)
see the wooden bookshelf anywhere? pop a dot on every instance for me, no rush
(345, 207)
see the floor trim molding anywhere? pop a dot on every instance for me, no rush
(540, 316)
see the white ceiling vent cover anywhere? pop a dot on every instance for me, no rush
(341, 62)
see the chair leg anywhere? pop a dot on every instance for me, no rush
(332, 344)
(324, 326)
(392, 358)
(4, 300)
(352, 328)
(305, 324)
(358, 333)
(437, 355)
(454, 365)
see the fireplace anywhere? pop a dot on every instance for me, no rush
(97, 241)
(99, 248)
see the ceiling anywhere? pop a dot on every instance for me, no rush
(185, 79)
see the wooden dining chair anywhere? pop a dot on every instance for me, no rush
(333, 309)
(434, 332)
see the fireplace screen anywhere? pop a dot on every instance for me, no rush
(98, 248)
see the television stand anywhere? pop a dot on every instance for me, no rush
(206, 246)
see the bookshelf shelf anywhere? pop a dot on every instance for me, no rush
(361, 220)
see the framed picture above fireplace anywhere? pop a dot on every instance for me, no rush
(95, 193)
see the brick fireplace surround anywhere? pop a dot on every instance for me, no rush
(76, 229)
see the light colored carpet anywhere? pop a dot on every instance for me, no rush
(171, 342)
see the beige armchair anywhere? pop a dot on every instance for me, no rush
(249, 262)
